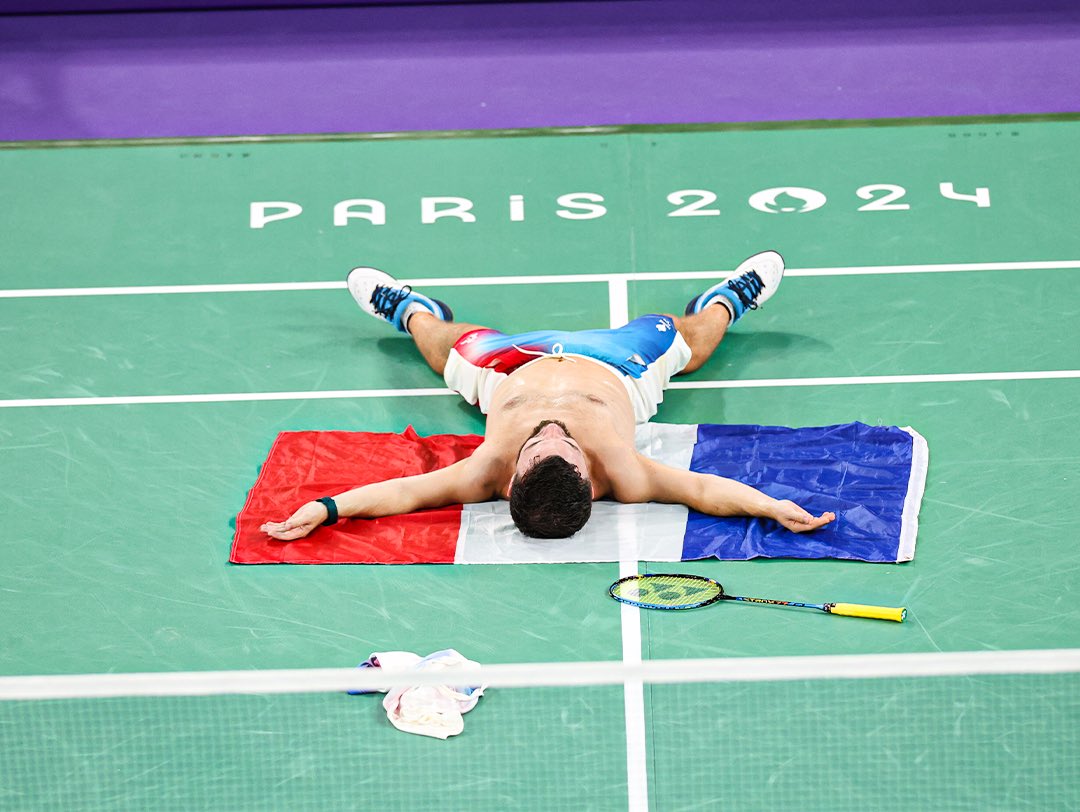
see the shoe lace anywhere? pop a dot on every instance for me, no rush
(385, 299)
(747, 287)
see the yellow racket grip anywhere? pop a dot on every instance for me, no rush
(877, 612)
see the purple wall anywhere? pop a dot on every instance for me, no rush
(485, 66)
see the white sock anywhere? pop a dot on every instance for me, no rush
(723, 300)
(411, 309)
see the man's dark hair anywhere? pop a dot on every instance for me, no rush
(551, 500)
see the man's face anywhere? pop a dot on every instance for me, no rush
(551, 439)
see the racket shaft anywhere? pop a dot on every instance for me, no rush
(776, 603)
(859, 610)
(850, 609)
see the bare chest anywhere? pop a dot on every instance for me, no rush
(562, 383)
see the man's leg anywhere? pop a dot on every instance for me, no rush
(709, 315)
(435, 338)
(429, 321)
(702, 332)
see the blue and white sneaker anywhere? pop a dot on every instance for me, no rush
(380, 295)
(745, 288)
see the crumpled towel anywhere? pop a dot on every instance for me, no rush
(428, 710)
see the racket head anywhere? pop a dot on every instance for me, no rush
(666, 591)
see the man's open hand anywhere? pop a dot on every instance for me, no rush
(797, 520)
(306, 519)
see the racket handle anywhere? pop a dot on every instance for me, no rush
(877, 612)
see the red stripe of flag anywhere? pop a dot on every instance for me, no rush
(305, 465)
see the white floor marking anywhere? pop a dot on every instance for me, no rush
(637, 775)
(262, 287)
(229, 397)
(239, 397)
(947, 377)
(142, 290)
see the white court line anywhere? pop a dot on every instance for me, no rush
(228, 397)
(263, 287)
(240, 287)
(637, 771)
(945, 377)
(242, 397)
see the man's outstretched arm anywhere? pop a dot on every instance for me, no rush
(718, 496)
(451, 485)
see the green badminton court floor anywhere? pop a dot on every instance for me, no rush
(934, 282)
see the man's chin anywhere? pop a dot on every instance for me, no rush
(543, 423)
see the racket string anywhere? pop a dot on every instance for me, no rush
(665, 591)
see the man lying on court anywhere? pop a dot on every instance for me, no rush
(561, 409)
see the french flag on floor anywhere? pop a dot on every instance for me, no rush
(872, 477)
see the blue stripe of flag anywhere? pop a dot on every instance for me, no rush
(859, 472)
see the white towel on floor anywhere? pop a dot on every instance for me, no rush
(428, 710)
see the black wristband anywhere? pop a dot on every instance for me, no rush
(331, 509)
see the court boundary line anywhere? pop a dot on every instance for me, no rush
(340, 394)
(539, 279)
(637, 772)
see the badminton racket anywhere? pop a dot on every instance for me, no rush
(671, 591)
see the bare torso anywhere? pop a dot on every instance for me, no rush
(584, 395)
